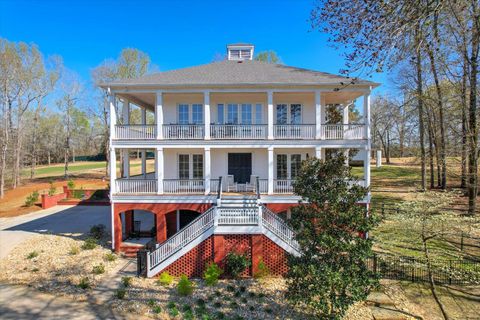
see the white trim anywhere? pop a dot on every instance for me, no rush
(206, 114)
(159, 114)
(270, 116)
(222, 144)
(159, 169)
(334, 86)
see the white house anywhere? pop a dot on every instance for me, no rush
(227, 139)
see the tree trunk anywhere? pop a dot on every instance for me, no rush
(463, 97)
(430, 149)
(4, 145)
(33, 160)
(419, 90)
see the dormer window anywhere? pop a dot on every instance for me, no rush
(240, 51)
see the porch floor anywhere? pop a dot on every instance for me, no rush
(136, 242)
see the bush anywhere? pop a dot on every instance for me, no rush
(211, 274)
(70, 184)
(110, 256)
(52, 190)
(156, 309)
(89, 244)
(98, 269)
(165, 279)
(236, 263)
(120, 293)
(31, 199)
(74, 250)
(98, 231)
(32, 255)
(263, 270)
(127, 281)
(184, 286)
(84, 283)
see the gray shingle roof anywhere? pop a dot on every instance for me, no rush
(238, 73)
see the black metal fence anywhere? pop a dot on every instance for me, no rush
(415, 270)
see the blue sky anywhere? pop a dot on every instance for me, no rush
(174, 33)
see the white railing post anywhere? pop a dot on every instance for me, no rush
(270, 114)
(208, 174)
(159, 169)
(318, 115)
(270, 170)
(366, 115)
(159, 114)
(206, 114)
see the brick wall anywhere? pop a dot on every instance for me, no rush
(51, 201)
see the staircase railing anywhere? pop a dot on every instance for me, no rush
(219, 189)
(238, 216)
(277, 226)
(192, 231)
(257, 187)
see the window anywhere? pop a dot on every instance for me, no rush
(197, 166)
(295, 113)
(246, 113)
(220, 113)
(183, 117)
(282, 166)
(232, 113)
(295, 164)
(258, 114)
(183, 166)
(197, 113)
(282, 114)
(190, 166)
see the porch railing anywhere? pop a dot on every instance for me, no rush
(183, 186)
(183, 131)
(135, 131)
(275, 224)
(237, 216)
(238, 131)
(136, 185)
(263, 185)
(294, 131)
(282, 186)
(343, 131)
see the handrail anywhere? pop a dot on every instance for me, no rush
(174, 244)
(257, 186)
(277, 226)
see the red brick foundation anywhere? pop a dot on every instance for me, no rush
(257, 247)
(51, 201)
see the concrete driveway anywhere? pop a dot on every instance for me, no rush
(66, 220)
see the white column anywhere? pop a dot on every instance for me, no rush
(318, 115)
(113, 171)
(126, 112)
(113, 114)
(270, 114)
(318, 152)
(366, 167)
(366, 114)
(270, 170)
(159, 170)
(346, 153)
(206, 113)
(144, 163)
(126, 163)
(379, 158)
(208, 173)
(159, 114)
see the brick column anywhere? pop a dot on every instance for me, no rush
(219, 250)
(128, 222)
(117, 224)
(257, 252)
(161, 224)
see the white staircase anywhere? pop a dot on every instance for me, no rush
(235, 215)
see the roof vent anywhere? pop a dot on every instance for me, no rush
(240, 51)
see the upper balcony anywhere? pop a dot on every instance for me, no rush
(233, 116)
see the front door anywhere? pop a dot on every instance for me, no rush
(240, 166)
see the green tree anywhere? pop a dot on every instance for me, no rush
(269, 56)
(331, 273)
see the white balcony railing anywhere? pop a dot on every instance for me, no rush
(136, 186)
(183, 131)
(135, 131)
(238, 216)
(263, 185)
(343, 131)
(282, 186)
(183, 186)
(238, 131)
(294, 131)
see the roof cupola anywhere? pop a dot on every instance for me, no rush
(240, 51)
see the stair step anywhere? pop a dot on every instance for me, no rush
(388, 313)
(379, 298)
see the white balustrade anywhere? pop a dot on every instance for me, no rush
(294, 131)
(277, 226)
(136, 185)
(237, 216)
(282, 186)
(263, 185)
(343, 131)
(184, 186)
(192, 231)
(238, 131)
(135, 132)
(183, 131)
(214, 185)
